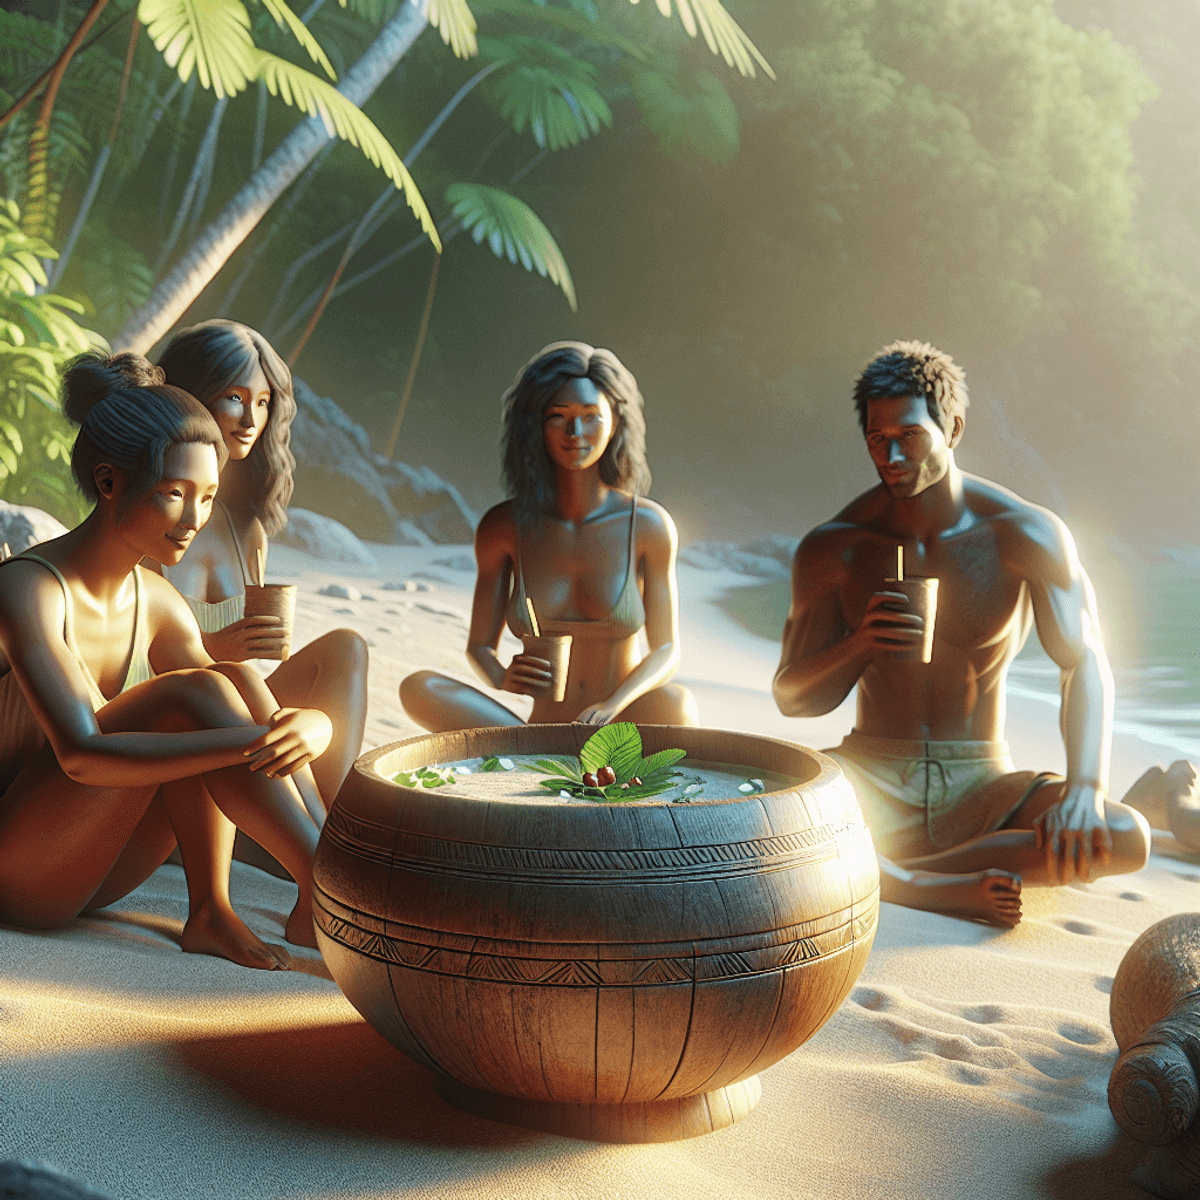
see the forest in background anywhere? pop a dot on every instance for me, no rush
(1013, 181)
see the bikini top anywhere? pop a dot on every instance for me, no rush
(138, 670)
(213, 616)
(624, 619)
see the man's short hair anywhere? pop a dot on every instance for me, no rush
(914, 369)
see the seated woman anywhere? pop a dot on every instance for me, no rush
(595, 561)
(119, 734)
(238, 377)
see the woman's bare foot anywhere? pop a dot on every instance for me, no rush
(299, 929)
(1147, 796)
(993, 895)
(1169, 800)
(218, 930)
(1183, 802)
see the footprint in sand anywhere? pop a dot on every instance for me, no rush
(1022, 1053)
(1131, 895)
(1083, 928)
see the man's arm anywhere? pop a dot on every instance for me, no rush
(822, 659)
(1068, 626)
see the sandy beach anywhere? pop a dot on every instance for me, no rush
(968, 1062)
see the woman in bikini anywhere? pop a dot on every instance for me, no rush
(575, 540)
(119, 736)
(238, 377)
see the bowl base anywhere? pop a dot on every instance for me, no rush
(653, 1121)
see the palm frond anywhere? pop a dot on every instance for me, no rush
(722, 33)
(564, 20)
(548, 89)
(702, 118)
(304, 90)
(512, 229)
(284, 17)
(211, 37)
(454, 20)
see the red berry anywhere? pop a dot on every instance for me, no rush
(606, 775)
(636, 782)
(590, 780)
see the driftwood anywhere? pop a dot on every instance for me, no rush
(1153, 1092)
(613, 972)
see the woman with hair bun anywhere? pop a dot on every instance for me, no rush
(575, 540)
(234, 372)
(119, 736)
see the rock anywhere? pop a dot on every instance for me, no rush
(340, 591)
(325, 538)
(22, 526)
(22, 1179)
(407, 585)
(457, 562)
(338, 475)
(767, 557)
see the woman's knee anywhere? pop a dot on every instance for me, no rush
(198, 699)
(422, 688)
(1131, 838)
(344, 647)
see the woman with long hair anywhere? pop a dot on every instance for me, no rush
(119, 736)
(233, 371)
(593, 559)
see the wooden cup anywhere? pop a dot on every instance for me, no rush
(556, 650)
(274, 600)
(921, 591)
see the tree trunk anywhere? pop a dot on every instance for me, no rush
(208, 254)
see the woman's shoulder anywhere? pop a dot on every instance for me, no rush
(499, 520)
(653, 521)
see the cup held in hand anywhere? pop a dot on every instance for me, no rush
(274, 600)
(556, 650)
(921, 591)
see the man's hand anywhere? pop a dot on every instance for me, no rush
(251, 637)
(1074, 834)
(597, 714)
(888, 628)
(528, 675)
(295, 738)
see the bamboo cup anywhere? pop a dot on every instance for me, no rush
(921, 591)
(274, 600)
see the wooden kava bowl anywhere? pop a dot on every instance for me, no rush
(604, 971)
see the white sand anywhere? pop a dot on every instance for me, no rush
(967, 1063)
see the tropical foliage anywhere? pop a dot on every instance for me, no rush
(38, 334)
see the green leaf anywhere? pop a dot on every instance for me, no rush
(557, 765)
(618, 746)
(722, 33)
(513, 228)
(284, 16)
(547, 88)
(211, 37)
(656, 763)
(304, 90)
(454, 20)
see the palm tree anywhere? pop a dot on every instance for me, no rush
(209, 252)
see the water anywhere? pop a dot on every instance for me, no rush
(1150, 616)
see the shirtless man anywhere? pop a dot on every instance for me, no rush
(959, 826)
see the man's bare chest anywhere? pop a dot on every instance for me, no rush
(979, 597)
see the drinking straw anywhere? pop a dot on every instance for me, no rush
(533, 621)
(6, 553)
(899, 564)
(261, 565)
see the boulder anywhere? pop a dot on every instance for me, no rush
(339, 476)
(22, 526)
(325, 538)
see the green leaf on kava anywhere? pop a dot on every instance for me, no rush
(618, 747)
